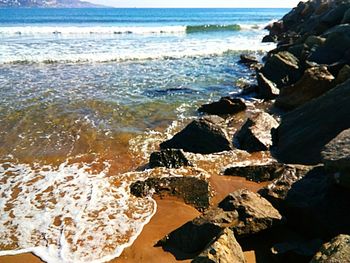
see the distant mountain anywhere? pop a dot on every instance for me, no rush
(46, 3)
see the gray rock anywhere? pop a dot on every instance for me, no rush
(200, 136)
(335, 251)
(315, 82)
(255, 134)
(225, 105)
(304, 132)
(225, 249)
(315, 41)
(169, 158)
(248, 59)
(266, 89)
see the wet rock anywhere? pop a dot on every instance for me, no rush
(304, 132)
(315, 82)
(343, 75)
(200, 136)
(335, 15)
(244, 212)
(225, 249)
(346, 18)
(169, 158)
(266, 89)
(335, 251)
(225, 105)
(269, 39)
(336, 157)
(249, 89)
(300, 51)
(255, 134)
(315, 41)
(193, 190)
(248, 59)
(296, 251)
(282, 68)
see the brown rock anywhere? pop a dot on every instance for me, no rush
(266, 89)
(169, 158)
(225, 105)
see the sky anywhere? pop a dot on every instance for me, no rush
(197, 3)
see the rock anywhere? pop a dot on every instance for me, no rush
(169, 158)
(343, 75)
(335, 15)
(266, 89)
(244, 212)
(282, 68)
(300, 51)
(277, 190)
(255, 134)
(192, 190)
(249, 89)
(225, 105)
(315, 82)
(346, 18)
(200, 136)
(248, 59)
(336, 157)
(314, 41)
(269, 39)
(225, 249)
(335, 251)
(304, 132)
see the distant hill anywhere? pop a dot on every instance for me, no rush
(46, 3)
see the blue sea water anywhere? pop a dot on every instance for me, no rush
(78, 87)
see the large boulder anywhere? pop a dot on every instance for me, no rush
(315, 82)
(169, 158)
(193, 190)
(224, 249)
(266, 89)
(335, 251)
(305, 131)
(225, 105)
(243, 212)
(200, 136)
(255, 134)
(282, 68)
(336, 157)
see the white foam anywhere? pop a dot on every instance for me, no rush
(99, 217)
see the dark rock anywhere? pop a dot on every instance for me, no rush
(314, 41)
(200, 136)
(296, 251)
(169, 158)
(346, 18)
(266, 89)
(193, 190)
(300, 51)
(315, 82)
(305, 131)
(282, 68)
(243, 212)
(335, 15)
(249, 89)
(248, 59)
(343, 75)
(225, 249)
(225, 105)
(335, 251)
(255, 134)
(269, 39)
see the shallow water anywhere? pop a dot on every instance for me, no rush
(81, 106)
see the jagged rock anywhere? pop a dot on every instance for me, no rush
(314, 41)
(225, 105)
(277, 190)
(193, 190)
(296, 251)
(336, 157)
(269, 39)
(243, 212)
(266, 89)
(305, 131)
(343, 75)
(225, 249)
(255, 134)
(265, 172)
(335, 251)
(248, 59)
(300, 51)
(315, 82)
(282, 68)
(169, 158)
(200, 136)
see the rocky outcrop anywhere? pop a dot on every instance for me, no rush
(248, 59)
(266, 89)
(224, 249)
(304, 132)
(336, 157)
(200, 136)
(315, 82)
(243, 212)
(255, 134)
(193, 190)
(335, 251)
(224, 106)
(169, 158)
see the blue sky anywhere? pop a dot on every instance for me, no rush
(197, 3)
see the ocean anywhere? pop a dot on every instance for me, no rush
(86, 95)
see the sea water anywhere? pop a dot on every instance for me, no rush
(82, 91)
